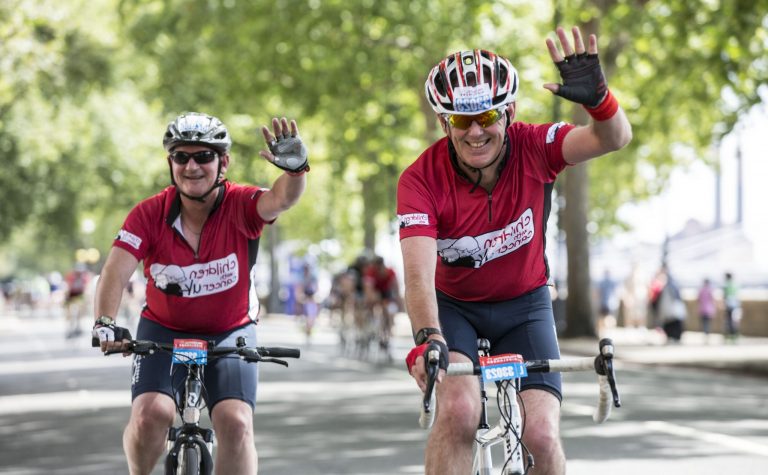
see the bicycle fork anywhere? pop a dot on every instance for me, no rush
(190, 434)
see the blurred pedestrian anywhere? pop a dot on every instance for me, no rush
(706, 306)
(671, 308)
(633, 299)
(305, 294)
(654, 293)
(606, 292)
(732, 308)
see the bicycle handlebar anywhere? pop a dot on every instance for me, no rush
(602, 364)
(265, 354)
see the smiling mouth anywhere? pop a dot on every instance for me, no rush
(478, 144)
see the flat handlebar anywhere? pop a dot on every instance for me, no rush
(264, 354)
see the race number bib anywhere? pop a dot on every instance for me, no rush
(473, 99)
(502, 367)
(187, 351)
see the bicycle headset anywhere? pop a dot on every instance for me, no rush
(195, 128)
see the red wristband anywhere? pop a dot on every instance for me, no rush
(606, 109)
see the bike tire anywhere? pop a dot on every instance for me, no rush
(190, 462)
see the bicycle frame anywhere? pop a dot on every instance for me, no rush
(190, 438)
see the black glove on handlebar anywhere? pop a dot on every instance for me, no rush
(441, 348)
(109, 333)
(583, 79)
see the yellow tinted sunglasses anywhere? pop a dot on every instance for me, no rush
(485, 119)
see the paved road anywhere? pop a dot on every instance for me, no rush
(63, 407)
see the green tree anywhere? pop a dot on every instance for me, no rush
(683, 71)
(70, 131)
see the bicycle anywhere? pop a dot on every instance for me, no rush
(190, 446)
(506, 371)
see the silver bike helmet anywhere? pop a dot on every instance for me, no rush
(193, 128)
(471, 82)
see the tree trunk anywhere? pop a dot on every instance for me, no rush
(578, 308)
(579, 314)
(369, 213)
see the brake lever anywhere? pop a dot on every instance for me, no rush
(431, 365)
(273, 360)
(612, 381)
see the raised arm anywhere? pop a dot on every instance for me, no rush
(287, 152)
(584, 83)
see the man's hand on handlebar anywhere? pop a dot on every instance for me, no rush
(434, 355)
(110, 337)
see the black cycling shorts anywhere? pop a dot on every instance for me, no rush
(228, 377)
(524, 325)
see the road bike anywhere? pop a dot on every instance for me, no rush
(190, 445)
(506, 371)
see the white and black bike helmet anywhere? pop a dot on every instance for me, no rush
(193, 128)
(471, 82)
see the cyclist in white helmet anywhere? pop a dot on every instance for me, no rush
(479, 199)
(198, 241)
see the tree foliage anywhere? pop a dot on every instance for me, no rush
(354, 71)
(66, 126)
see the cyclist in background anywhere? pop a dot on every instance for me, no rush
(305, 294)
(198, 240)
(478, 200)
(76, 282)
(382, 299)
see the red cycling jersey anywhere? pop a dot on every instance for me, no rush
(211, 291)
(491, 245)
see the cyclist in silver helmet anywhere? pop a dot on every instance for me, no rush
(478, 200)
(198, 241)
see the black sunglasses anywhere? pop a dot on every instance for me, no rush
(201, 158)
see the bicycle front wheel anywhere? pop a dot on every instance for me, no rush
(189, 463)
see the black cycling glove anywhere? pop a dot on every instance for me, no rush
(583, 79)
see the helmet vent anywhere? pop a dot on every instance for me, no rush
(502, 76)
(453, 78)
(440, 85)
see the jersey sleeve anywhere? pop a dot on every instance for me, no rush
(248, 218)
(546, 141)
(416, 209)
(135, 234)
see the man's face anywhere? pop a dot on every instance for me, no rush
(478, 146)
(195, 178)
